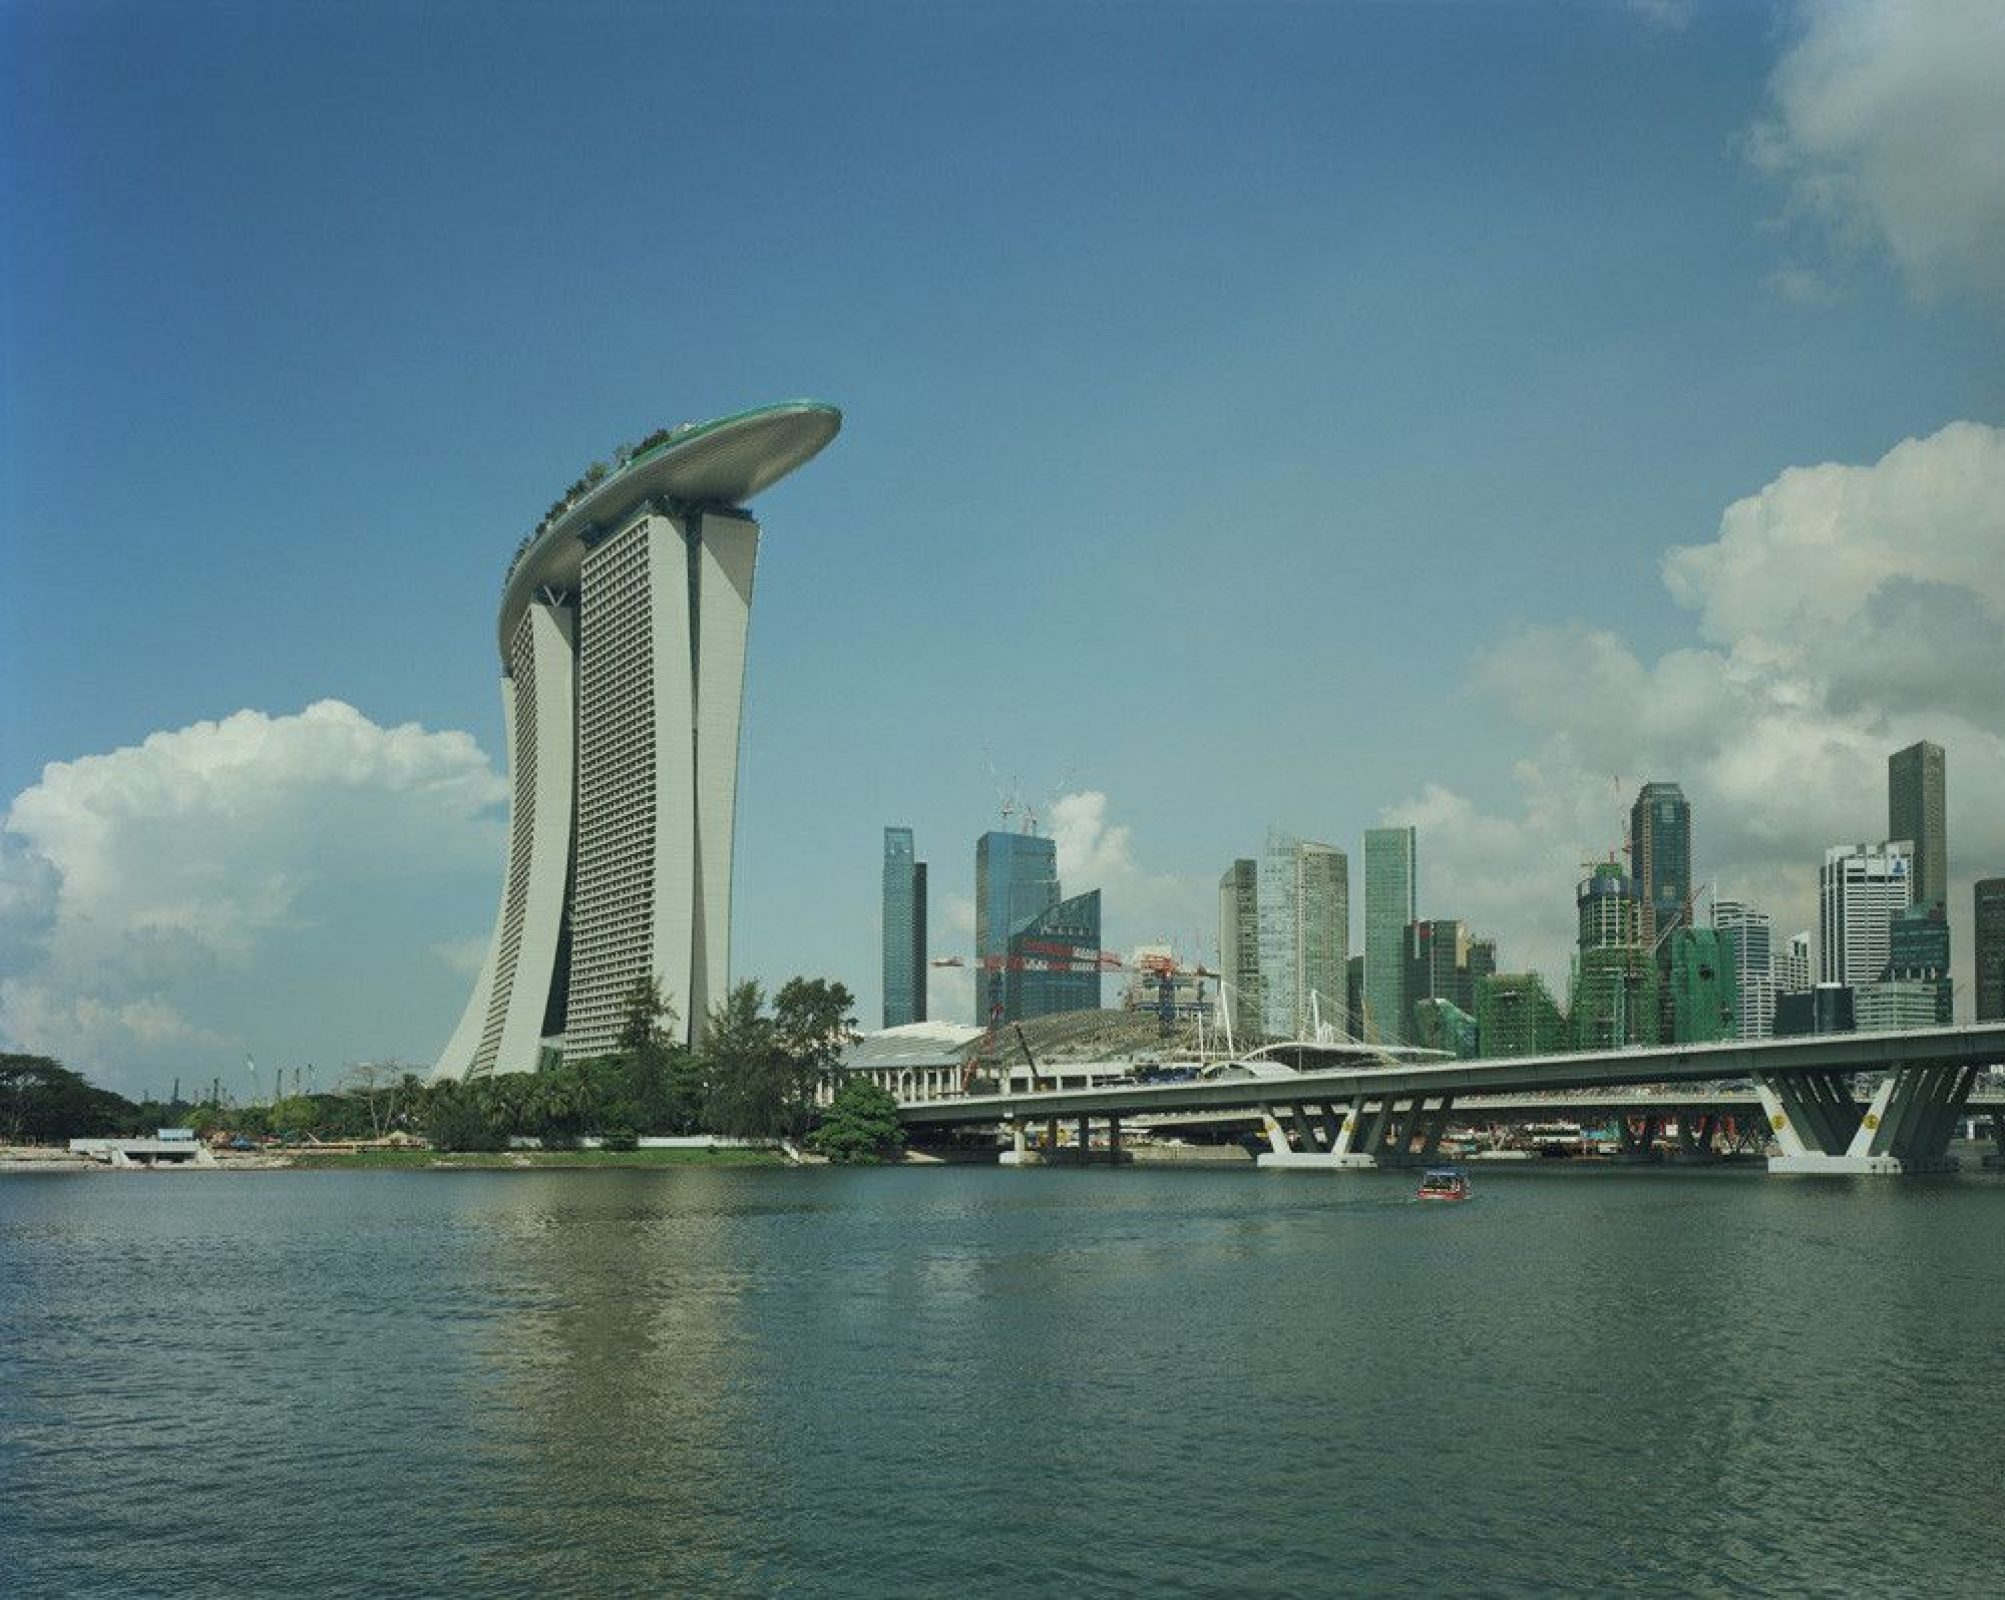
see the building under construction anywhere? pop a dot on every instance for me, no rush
(1614, 1000)
(1516, 1015)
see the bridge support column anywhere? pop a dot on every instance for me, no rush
(1996, 1158)
(1281, 1154)
(1695, 1138)
(1085, 1140)
(1018, 1154)
(1114, 1141)
(1820, 1129)
(1437, 1124)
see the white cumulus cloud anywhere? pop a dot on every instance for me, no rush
(1844, 611)
(158, 902)
(1888, 125)
(1139, 907)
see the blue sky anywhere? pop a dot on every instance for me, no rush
(1254, 413)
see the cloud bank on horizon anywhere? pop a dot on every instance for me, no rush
(176, 904)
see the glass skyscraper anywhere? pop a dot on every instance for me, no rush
(1055, 961)
(1390, 878)
(1660, 857)
(1016, 882)
(904, 930)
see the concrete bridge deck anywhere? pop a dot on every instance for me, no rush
(1360, 1111)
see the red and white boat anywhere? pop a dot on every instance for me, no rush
(1444, 1183)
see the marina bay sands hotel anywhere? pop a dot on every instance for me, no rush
(623, 623)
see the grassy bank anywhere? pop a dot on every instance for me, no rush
(517, 1160)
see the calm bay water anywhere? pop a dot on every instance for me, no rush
(976, 1382)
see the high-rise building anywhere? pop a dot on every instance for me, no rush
(1793, 968)
(1304, 913)
(1390, 906)
(1054, 961)
(1016, 882)
(1354, 995)
(1703, 986)
(904, 930)
(1660, 856)
(622, 635)
(1861, 889)
(1516, 1015)
(1918, 811)
(1754, 966)
(1614, 978)
(1988, 948)
(1239, 944)
(1918, 954)
(1437, 966)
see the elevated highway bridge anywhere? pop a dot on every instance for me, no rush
(1348, 1105)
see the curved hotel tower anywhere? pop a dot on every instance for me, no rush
(623, 621)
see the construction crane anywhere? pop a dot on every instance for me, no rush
(1163, 971)
(1035, 956)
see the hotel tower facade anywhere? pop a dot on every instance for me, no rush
(622, 633)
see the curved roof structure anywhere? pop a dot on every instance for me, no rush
(720, 463)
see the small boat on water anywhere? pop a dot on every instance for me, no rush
(1444, 1183)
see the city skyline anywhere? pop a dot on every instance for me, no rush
(1678, 432)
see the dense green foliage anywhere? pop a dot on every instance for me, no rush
(755, 1078)
(42, 1100)
(861, 1125)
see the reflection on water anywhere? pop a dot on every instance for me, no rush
(606, 1408)
(976, 1382)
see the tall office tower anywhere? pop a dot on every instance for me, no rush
(904, 930)
(919, 963)
(1516, 1015)
(1304, 915)
(1239, 945)
(1354, 995)
(1660, 857)
(1754, 966)
(1703, 986)
(1918, 811)
(1390, 905)
(1918, 963)
(1614, 978)
(1054, 961)
(1793, 967)
(1436, 967)
(1016, 882)
(1988, 942)
(622, 634)
(1861, 889)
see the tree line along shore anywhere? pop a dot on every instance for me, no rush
(756, 1077)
